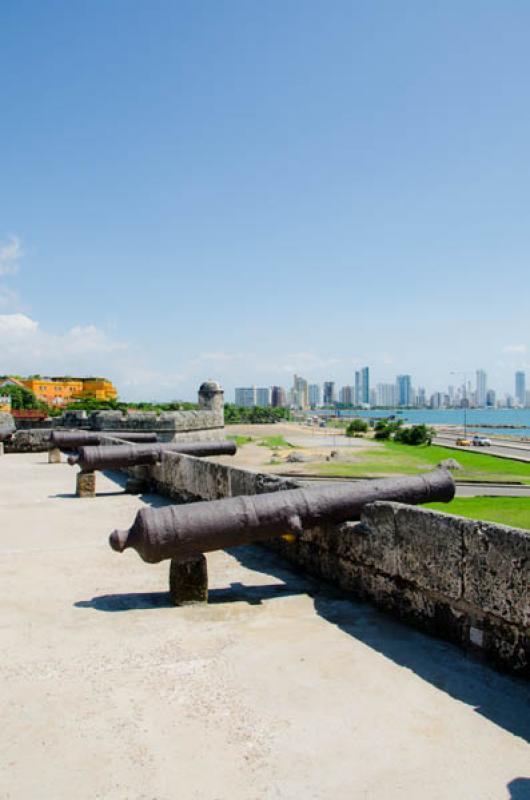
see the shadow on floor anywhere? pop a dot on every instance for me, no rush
(127, 602)
(519, 789)
(235, 593)
(502, 699)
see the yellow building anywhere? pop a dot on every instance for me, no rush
(60, 391)
(99, 388)
(5, 402)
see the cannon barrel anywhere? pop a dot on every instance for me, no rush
(185, 531)
(110, 457)
(73, 440)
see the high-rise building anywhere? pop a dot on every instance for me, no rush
(520, 388)
(491, 398)
(421, 397)
(362, 386)
(386, 395)
(299, 392)
(278, 396)
(330, 394)
(245, 396)
(404, 390)
(347, 396)
(482, 388)
(314, 394)
(263, 396)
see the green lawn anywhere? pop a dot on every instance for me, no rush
(513, 511)
(274, 441)
(393, 458)
(240, 440)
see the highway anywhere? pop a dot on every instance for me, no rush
(499, 447)
(472, 489)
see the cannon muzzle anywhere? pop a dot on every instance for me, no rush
(110, 457)
(186, 531)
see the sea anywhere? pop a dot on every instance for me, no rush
(501, 421)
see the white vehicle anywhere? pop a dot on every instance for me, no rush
(481, 441)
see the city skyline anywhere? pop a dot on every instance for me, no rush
(401, 392)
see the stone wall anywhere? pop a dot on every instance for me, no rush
(460, 579)
(204, 424)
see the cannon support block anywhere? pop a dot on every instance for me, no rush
(85, 484)
(54, 456)
(188, 581)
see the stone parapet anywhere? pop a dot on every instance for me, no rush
(463, 580)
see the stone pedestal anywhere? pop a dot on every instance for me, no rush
(1, 448)
(188, 581)
(54, 456)
(85, 484)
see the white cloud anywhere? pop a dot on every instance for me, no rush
(26, 348)
(10, 255)
(13, 326)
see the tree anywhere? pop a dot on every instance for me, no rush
(385, 427)
(21, 398)
(414, 435)
(357, 426)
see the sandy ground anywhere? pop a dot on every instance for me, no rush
(315, 443)
(276, 690)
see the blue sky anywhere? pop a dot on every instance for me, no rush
(244, 189)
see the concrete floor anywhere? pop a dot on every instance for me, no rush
(277, 689)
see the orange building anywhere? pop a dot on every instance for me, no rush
(60, 391)
(99, 388)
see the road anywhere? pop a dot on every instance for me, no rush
(499, 447)
(474, 489)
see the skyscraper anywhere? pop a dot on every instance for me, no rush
(263, 396)
(299, 392)
(330, 395)
(520, 388)
(314, 394)
(246, 396)
(278, 396)
(347, 395)
(404, 390)
(362, 386)
(482, 387)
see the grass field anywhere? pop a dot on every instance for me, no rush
(240, 440)
(513, 511)
(274, 441)
(401, 459)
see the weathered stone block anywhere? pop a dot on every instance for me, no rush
(188, 581)
(1, 448)
(429, 549)
(373, 542)
(54, 456)
(86, 484)
(497, 570)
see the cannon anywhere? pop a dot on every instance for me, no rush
(110, 457)
(91, 459)
(183, 533)
(73, 440)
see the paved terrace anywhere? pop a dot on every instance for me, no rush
(277, 689)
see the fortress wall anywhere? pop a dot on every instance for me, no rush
(462, 580)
